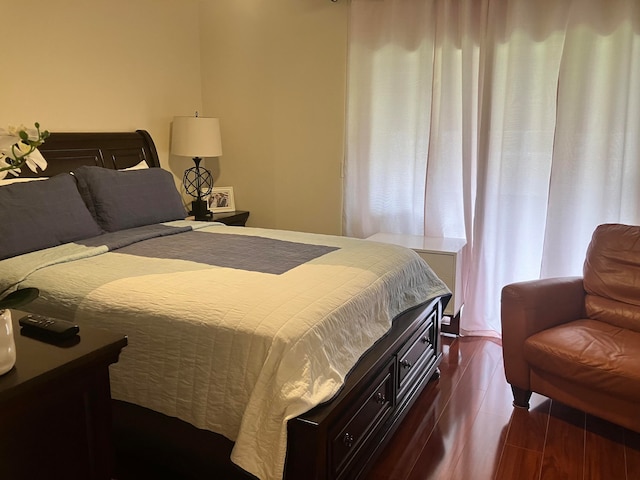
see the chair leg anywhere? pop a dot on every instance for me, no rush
(521, 397)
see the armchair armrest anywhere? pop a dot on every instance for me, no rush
(529, 307)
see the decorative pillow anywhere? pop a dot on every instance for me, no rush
(37, 215)
(128, 199)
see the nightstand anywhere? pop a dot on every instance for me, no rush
(55, 407)
(237, 218)
(444, 256)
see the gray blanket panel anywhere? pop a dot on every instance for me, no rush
(258, 254)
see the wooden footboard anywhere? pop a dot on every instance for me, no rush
(341, 438)
(334, 441)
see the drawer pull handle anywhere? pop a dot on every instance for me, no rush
(380, 398)
(347, 440)
(405, 364)
(425, 339)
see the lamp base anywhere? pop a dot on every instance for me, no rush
(199, 210)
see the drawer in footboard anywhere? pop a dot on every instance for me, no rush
(353, 431)
(417, 355)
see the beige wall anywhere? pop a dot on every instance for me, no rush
(274, 72)
(101, 65)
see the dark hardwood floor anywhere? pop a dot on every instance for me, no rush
(464, 427)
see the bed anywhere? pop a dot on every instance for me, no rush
(253, 353)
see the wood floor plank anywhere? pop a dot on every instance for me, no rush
(519, 463)
(439, 455)
(632, 454)
(498, 399)
(485, 361)
(529, 427)
(483, 449)
(456, 357)
(453, 427)
(459, 351)
(565, 444)
(481, 455)
(604, 450)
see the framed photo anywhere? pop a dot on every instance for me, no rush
(221, 200)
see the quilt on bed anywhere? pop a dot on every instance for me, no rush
(232, 331)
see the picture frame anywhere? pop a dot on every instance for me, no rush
(221, 200)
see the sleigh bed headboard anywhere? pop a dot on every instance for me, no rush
(66, 151)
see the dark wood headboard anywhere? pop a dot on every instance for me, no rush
(114, 150)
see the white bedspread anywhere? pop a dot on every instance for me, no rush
(234, 351)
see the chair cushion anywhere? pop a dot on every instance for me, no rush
(612, 276)
(591, 353)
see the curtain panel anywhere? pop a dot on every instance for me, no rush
(509, 123)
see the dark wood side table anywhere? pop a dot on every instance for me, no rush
(55, 407)
(237, 218)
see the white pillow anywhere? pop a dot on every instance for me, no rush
(140, 166)
(9, 179)
(12, 179)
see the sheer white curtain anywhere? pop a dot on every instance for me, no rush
(510, 123)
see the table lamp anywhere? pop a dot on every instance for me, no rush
(197, 137)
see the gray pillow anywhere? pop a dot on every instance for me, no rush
(126, 199)
(37, 215)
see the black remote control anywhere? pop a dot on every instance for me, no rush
(47, 327)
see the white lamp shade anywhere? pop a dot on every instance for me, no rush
(196, 137)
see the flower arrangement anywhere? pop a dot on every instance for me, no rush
(19, 146)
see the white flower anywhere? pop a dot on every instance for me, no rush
(16, 152)
(15, 131)
(4, 163)
(35, 160)
(7, 167)
(7, 141)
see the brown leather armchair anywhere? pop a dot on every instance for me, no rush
(577, 339)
